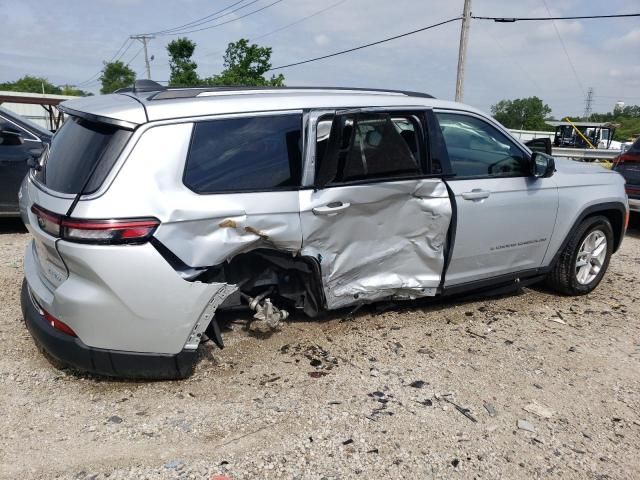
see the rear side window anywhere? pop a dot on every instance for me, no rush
(367, 146)
(245, 154)
(77, 149)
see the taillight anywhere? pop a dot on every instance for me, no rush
(115, 231)
(626, 157)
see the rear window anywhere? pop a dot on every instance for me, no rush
(245, 154)
(76, 149)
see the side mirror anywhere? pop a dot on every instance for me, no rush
(542, 165)
(10, 138)
(542, 144)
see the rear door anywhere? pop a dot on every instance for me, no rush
(505, 216)
(376, 220)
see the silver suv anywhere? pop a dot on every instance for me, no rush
(156, 207)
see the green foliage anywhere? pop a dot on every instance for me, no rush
(183, 69)
(31, 84)
(71, 90)
(116, 75)
(628, 117)
(522, 113)
(245, 65)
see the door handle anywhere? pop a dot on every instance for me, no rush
(476, 194)
(331, 209)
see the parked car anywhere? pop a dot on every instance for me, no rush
(20, 141)
(628, 165)
(156, 207)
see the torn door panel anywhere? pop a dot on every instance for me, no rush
(389, 242)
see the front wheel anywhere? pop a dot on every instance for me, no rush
(584, 260)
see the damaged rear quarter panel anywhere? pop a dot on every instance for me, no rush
(202, 230)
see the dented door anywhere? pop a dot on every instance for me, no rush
(374, 237)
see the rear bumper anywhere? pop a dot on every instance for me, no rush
(634, 204)
(72, 352)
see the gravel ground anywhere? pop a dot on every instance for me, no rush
(551, 384)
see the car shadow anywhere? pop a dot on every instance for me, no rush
(12, 225)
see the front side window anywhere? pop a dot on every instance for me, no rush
(245, 154)
(478, 149)
(366, 146)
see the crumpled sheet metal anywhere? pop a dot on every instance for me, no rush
(388, 243)
(216, 238)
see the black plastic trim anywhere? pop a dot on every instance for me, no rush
(192, 92)
(523, 277)
(72, 352)
(451, 236)
(97, 118)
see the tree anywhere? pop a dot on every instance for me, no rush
(71, 90)
(522, 113)
(183, 69)
(31, 84)
(116, 75)
(245, 65)
(627, 118)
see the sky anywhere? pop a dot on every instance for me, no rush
(67, 41)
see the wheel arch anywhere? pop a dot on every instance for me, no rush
(615, 212)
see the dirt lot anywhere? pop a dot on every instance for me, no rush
(363, 397)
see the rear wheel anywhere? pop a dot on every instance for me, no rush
(584, 260)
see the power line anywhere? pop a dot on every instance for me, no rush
(209, 18)
(115, 59)
(300, 20)
(366, 45)
(286, 26)
(193, 22)
(224, 23)
(92, 77)
(536, 19)
(564, 47)
(134, 57)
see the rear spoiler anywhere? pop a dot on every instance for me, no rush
(97, 118)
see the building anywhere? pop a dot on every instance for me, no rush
(39, 108)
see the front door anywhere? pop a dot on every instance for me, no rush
(505, 216)
(376, 221)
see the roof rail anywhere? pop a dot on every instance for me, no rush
(192, 92)
(140, 86)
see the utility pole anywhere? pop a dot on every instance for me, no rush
(144, 39)
(588, 102)
(462, 51)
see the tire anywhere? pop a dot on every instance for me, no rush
(566, 276)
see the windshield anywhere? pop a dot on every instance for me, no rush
(77, 149)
